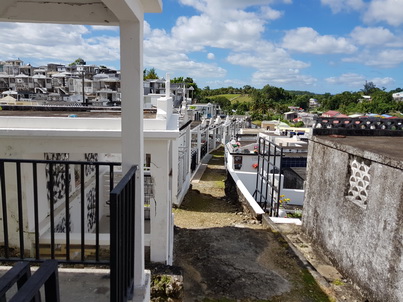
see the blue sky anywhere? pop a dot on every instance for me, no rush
(315, 45)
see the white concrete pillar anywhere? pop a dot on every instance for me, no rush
(131, 53)
(198, 145)
(160, 208)
(208, 138)
(189, 150)
(167, 86)
(175, 168)
(215, 137)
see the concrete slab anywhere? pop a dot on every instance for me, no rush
(199, 173)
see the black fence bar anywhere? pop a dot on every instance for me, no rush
(19, 274)
(203, 150)
(193, 163)
(267, 192)
(82, 210)
(20, 211)
(47, 276)
(52, 212)
(46, 207)
(36, 208)
(97, 217)
(4, 210)
(67, 209)
(122, 247)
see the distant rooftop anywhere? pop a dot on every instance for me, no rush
(68, 111)
(386, 149)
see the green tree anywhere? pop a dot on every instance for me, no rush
(79, 61)
(224, 103)
(369, 88)
(150, 74)
(276, 94)
(177, 80)
(301, 101)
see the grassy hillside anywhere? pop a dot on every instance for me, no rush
(242, 98)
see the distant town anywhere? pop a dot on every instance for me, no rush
(75, 84)
(79, 84)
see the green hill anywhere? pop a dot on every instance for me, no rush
(242, 98)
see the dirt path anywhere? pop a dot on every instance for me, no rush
(226, 256)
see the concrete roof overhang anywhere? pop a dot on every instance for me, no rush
(94, 12)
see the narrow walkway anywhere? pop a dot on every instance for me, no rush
(226, 256)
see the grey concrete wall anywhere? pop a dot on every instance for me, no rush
(363, 239)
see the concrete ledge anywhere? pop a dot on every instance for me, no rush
(284, 220)
(247, 199)
(202, 167)
(142, 294)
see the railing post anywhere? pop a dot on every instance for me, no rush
(123, 239)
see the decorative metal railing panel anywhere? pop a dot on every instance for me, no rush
(67, 229)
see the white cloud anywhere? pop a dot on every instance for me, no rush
(105, 28)
(210, 56)
(211, 5)
(271, 14)
(386, 58)
(344, 5)
(306, 39)
(55, 43)
(226, 83)
(348, 79)
(169, 54)
(238, 31)
(200, 31)
(273, 65)
(380, 82)
(357, 80)
(372, 36)
(389, 11)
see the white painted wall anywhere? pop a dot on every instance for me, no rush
(161, 206)
(248, 179)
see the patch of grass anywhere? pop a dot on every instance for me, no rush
(338, 282)
(219, 153)
(229, 96)
(244, 98)
(241, 98)
(312, 289)
(257, 123)
(194, 201)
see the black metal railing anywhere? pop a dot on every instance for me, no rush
(122, 238)
(51, 209)
(203, 150)
(18, 274)
(29, 286)
(268, 176)
(193, 163)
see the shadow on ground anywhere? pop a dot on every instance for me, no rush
(241, 264)
(225, 255)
